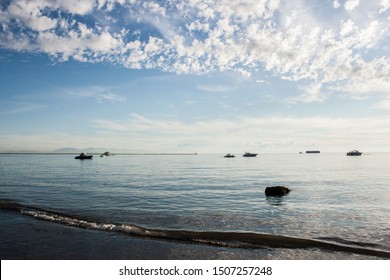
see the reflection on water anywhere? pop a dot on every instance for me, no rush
(275, 200)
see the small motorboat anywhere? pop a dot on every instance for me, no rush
(229, 156)
(249, 155)
(105, 154)
(354, 153)
(83, 156)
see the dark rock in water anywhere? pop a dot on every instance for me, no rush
(276, 191)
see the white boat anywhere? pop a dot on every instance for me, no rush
(249, 155)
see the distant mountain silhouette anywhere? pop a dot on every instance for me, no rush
(92, 150)
(66, 150)
(77, 150)
(89, 150)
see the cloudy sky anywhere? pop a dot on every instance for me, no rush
(200, 76)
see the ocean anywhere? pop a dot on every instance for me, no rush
(53, 206)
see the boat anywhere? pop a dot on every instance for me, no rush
(249, 155)
(312, 152)
(83, 156)
(105, 154)
(354, 153)
(229, 156)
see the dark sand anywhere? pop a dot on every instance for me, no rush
(23, 237)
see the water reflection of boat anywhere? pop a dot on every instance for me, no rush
(83, 156)
(354, 153)
(229, 156)
(249, 155)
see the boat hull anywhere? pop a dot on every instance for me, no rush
(354, 153)
(229, 156)
(83, 157)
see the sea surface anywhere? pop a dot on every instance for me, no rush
(194, 207)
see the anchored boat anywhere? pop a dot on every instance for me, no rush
(249, 155)
(229, 156)
(105, 154)
(83, 156)
(354, 153)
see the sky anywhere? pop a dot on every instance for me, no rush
(190, 76)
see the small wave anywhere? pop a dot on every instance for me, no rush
(215, 238)
(348, 242)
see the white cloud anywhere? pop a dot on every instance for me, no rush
(22, 107)
(154, 8)
(98, 93)
(267, 134)
(80, 46)
(383, 105)
(385, 5)
(214, 88)
(76, 6)
(366, 78)
(29, 13)
(310, 93)
(288, 40)
(263, 134)
(336, 4)
(110, 97)
(110, 125)
(351, 4)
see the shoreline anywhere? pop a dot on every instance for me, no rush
(24, 238)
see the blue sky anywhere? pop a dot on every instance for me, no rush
(195, 76)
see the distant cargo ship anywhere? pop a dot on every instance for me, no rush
(312, 152)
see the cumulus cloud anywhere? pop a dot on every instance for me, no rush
(336, 4)
(385, 5)
(351, 4)
(287, 40)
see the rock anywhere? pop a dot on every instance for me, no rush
(276, 191)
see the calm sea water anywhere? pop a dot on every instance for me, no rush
(194, 206)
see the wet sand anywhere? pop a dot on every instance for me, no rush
(22, 237)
